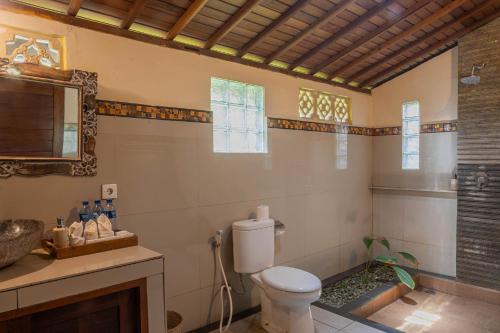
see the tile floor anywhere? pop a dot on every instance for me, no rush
(424, 311)
(324, 321)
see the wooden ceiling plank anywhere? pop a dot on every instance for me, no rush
(303, 34)
(231, 23)
(431, 48)
(342, 32)
(132, 13)
(404, 34)
(92, 25)
(423, 39)
(358, 43)
(74, 7)
(186, 18)
(273, 26)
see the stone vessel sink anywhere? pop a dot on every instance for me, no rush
(18, 238)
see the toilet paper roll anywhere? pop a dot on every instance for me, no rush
(262, 212)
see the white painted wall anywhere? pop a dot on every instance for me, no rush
(434, 84)
(422, 224)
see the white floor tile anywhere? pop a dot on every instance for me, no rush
(329, 318)
(322, 328)
(356, 327)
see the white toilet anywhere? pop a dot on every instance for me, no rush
(286, 293)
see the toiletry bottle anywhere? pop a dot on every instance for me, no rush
(110, 211)
(98, 210)
(85, 212)
(61, 237)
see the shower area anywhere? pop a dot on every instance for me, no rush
(471, 302)
(478, 225)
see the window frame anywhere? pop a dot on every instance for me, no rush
(412, 135)
(259, 130)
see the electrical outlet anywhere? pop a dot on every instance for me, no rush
(109, 191)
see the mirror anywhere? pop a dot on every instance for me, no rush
(48, 122)
(39, 120)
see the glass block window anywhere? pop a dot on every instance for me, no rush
(306, 103)
(341, 137)
(411, 135)
(324, 107)
(239, 122)
(342, 107)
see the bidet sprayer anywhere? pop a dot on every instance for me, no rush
(218, 237)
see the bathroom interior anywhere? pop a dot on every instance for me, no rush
(280, 166)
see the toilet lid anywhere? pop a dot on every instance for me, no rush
(290, 279)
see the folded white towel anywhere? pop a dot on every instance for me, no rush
(76, 241)
(105, 227)
(76, 229)
(90, 231)
(123, 234)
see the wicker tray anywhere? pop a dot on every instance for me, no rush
(81, 250)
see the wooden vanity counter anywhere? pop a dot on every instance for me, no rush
(117, 291)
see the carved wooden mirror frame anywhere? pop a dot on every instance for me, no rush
(86, 165)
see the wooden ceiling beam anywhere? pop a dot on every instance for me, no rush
(342, 32)
(402, 35)
(422, 53)
(421, 40)
(231, 23)
(186, 18)
(116, 31)
(303, 34)
(74, 7)
(358, 43)
(132, 14)
(298, 6)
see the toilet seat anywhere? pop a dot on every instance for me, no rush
(290, 279)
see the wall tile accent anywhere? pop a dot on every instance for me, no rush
(437, 127)
(383, 131)
(300, 125)
(121, 109)
(440, 126)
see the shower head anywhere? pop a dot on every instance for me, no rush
(473, 79)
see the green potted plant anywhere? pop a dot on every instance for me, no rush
(391, 259)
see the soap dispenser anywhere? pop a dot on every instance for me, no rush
(61, 238)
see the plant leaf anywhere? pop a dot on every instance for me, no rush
(387, 259)
(404, 277)
(368, 242)
(409, 257)
(385, 243)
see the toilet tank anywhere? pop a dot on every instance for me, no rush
(253, 245)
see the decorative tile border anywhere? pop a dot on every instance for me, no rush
(301, 125)
(384, 131)
(439, 126)
(121, 109)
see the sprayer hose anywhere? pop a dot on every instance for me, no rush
(224, 288)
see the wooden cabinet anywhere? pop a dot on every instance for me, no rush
(117, 309)
(121, 291)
